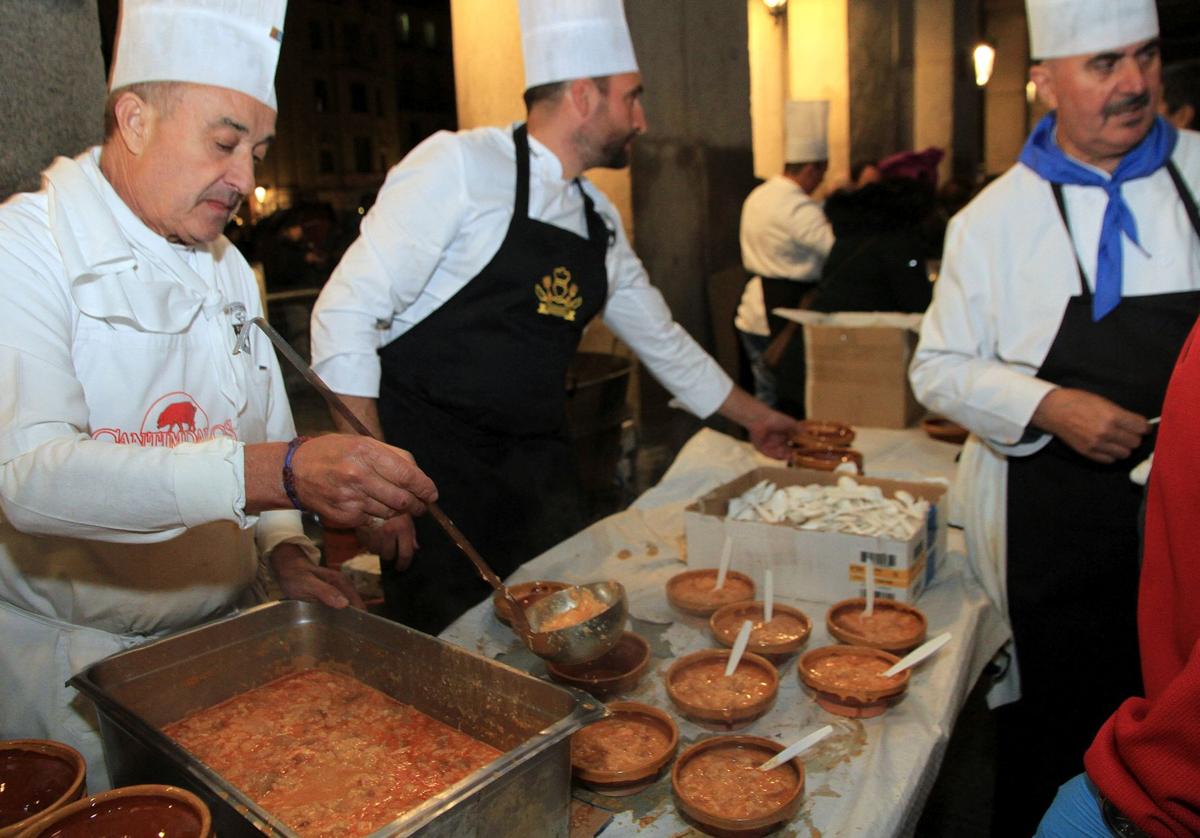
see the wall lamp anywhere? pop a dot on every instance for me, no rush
(777, 8)
(984, 59)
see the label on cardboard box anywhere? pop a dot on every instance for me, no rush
(811, 564)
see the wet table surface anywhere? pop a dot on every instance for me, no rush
(870, 777)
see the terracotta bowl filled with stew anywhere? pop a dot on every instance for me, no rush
(776, 641)
(626, 752)
(848, 680)
(824, 458)
(894, 626)
(37, 776)
(945, 430)
(526, 594)
(698, 686)
(812, 431)
(717, 785)
(616, 671)
(694, 591)
(132, 811)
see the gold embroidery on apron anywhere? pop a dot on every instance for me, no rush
(558, 296)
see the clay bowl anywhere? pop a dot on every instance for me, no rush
(623, 754)
(824, 458)
(692, 591)
(37, 776)
(942, 428)
(717, 785)
(697, 685)
(858, 701)
(788, 631)
(811, 431)
(133, 811)
(526, 594)
(894, 627)
(616, 671)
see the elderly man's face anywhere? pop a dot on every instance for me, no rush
(1106, 102)
(196, 163)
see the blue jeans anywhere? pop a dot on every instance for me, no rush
(764, 379)
(1075, 812)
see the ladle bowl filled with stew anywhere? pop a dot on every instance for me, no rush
(526, 594)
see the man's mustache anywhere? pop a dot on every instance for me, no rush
(1127, 104)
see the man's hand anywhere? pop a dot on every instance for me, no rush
(769, 429)
(299, 578)
(1090, 424)
(393, 540)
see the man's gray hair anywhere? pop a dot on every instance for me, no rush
(162, 95)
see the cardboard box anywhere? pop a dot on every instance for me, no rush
(859, 375)
(813, 565)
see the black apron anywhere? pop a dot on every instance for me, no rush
(477, 392)
(1073, 546)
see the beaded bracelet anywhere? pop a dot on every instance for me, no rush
(289, 477)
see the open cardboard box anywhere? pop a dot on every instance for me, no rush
(813, 565)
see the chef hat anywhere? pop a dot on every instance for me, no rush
(574, 39)
(1058, 28)
(227, 43)
(806, 131)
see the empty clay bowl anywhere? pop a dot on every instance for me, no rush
(893, 627)
(698, 686)
(943, 429)
(692, 591)
(718, 786)
(37, 776)
(824, 458)
(133, 811)
(783, 636)
(848, 680)
(813, 432)
(624, 753)
(616, 671)
(526, 593)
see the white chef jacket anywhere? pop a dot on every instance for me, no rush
(784, 235)
(121, 431)
(438, 220)
(1007, 273)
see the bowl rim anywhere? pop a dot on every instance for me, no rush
(641, 772)
(500, 604)
(609, 682)
(723, 715)
(864, 696)
(785, 812)
(853, 638)
(696, 607)
(175, 793)
(49, 747)
(826, 431)
(727, 637)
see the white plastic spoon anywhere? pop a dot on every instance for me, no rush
(870, 609)
(796, 747)
(723, 567)
(918, 654)
(1154, 421)
(739, 648)
(768, 595)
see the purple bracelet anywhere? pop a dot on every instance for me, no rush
(289, 477)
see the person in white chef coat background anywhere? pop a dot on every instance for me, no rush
(145, 469)
(1067, 289)
(450, 322)
(785, 239)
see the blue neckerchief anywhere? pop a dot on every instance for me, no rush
(1044, 156)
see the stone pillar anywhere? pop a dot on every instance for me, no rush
(933, 79)
(54, 86)
(818, 50)
(768, 86)
(1006, 121)
(881, 77)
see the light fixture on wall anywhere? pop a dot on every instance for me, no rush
(984, 59)
(777, 8)
(1030, 92)
(260, 194)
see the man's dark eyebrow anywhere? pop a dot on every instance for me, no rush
(1106, 58)
(637, 91)
(234, 124)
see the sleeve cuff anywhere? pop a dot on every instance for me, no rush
(210, 482)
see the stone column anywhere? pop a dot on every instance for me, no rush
(933, 79)
(818, 50)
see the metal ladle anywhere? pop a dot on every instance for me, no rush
(578, 643)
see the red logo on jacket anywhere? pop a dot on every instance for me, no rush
(173, 418)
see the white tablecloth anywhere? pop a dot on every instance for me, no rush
(871, 777)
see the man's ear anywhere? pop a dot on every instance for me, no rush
(1042, 77)
(583, 96)
(134, 118)
(1182, 117)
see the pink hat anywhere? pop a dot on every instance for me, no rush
(916, 165)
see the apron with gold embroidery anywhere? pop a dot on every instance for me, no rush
(477, 392)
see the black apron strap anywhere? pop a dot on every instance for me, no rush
(1185, 195)
(521, 201)
(1084, 290)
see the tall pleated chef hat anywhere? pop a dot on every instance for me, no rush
(1059, 28)
(574, 39)
(806, 131)
(227, 43)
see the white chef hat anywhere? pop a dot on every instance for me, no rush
(806, 131)
(226, 43)
(574, 39)
(1058, 28)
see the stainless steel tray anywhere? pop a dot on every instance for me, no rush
(523, 793)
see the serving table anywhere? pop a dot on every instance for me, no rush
(870, 777)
